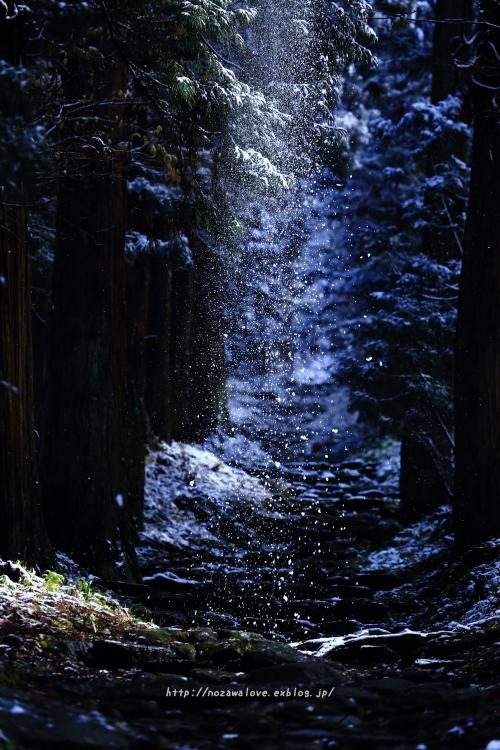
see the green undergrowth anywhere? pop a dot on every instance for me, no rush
(50, 606)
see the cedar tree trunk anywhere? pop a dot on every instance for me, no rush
(137, 302)
(85, 453)
(157, 349)
(181, 348)
(22, 531)
(207, 370)
(477, 357)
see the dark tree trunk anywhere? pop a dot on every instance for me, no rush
(157, 349)
(22, 531)
(185, 355)
(477, 357)
(85, 454)
(207, 371)
(13, 34)
(181, 347)
(446, 75)
(422, 486)
(41, 309)
(137, 304)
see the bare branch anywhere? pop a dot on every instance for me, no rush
(452, 226)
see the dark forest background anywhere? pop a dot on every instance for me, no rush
(149, 155)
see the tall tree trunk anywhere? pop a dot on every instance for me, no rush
(207, 369)
(137, 305)
(157, 349)
(445, 74)
(41, 308)
(181, 348)
(85, 483)
(85, 452)
(22, 530)
(477, 356)
(422, 485)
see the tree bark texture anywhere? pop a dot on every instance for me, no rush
(184, 349)
(85, 453)
(446, 76)
(22, 531)
(23, 534)
(422, 486)
(157, 348)
(181, 348)
(137, 276)
(41, 311)
(477, 358)
(207, 368)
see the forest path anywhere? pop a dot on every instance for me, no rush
(220, 673)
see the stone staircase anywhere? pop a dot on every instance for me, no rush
(283, 569)
(220, 674)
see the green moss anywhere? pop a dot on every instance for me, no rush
(158, 636)
(186, 651)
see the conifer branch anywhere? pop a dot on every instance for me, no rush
(220, 57)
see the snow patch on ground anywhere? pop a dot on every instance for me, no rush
(177, 477)
(199, 468)
(412, 545)
(476, 596)
(485, 608)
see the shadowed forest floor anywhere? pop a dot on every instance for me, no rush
(281, 608)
